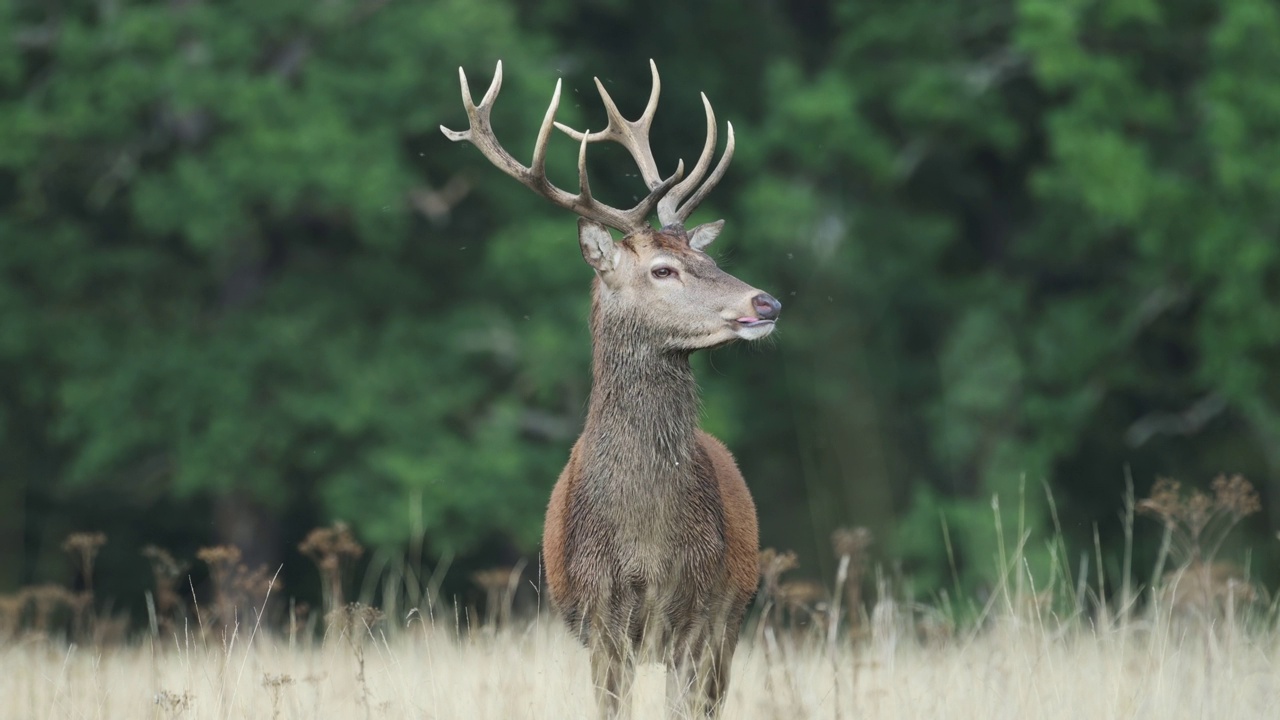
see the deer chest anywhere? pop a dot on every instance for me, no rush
(653, 533)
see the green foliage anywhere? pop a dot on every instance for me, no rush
(1047, 231)
(213, 259)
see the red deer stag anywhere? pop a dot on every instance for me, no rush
(650, 545)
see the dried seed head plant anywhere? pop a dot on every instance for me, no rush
(45, 602)
(1236, 496)
(11, 607)
(173, 704)
(235, 585)
(222, 561)
(299, 616)
(499, 585)
(333, 550)
(772, 565)
(355, 623)
(166, 572)
(275, 686)
(354, 620)
(1195, 527)
(251, 588)
(83, 547)
(804, 604)
(852, 547)
(1196, 524)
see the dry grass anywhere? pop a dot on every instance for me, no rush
(1201, 640)
(1013, 669)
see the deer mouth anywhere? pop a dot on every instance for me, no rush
(750, 328)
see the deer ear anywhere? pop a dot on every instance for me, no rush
(702, 235)
(597, 245)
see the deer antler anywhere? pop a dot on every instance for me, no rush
(480, 133)
(634, 136)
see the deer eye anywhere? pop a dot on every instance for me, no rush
(663, 272)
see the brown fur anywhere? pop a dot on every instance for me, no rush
(650, 545)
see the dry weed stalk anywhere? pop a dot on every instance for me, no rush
(165, 572)
(83, 547)
(173, 704)
(222, 561)
(251, 587)
(50, 607)
(84, 621)
(299, 615)
(355, 622)
(275, 685)
(332, 549)
(11, 607)
(499, 585)
(234, 584)
(791, 603)
(1195, 527)
(45, 601)
(803, 601)
(772, 565)
(852, 546)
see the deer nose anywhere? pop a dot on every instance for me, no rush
(766, 306)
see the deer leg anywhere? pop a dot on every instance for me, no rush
(720, 659)
(687, 679)
(698, 675)
(680, 691)
(698, 684)
(612, 672)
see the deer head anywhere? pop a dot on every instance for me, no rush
(660, 284)
(669, 292)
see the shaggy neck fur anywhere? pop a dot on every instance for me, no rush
(643, 415)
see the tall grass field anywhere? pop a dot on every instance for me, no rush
(1200, 640)
(1016, 669)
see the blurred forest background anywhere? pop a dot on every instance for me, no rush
(247, 287)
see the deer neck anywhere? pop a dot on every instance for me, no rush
(643, 415)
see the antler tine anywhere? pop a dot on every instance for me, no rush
(655, 88)
(494, 87)
(687, 209)
(538, 166)
(584, 187)
(634, 136)
(467, 104)
(480, 133)
(668, 209)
